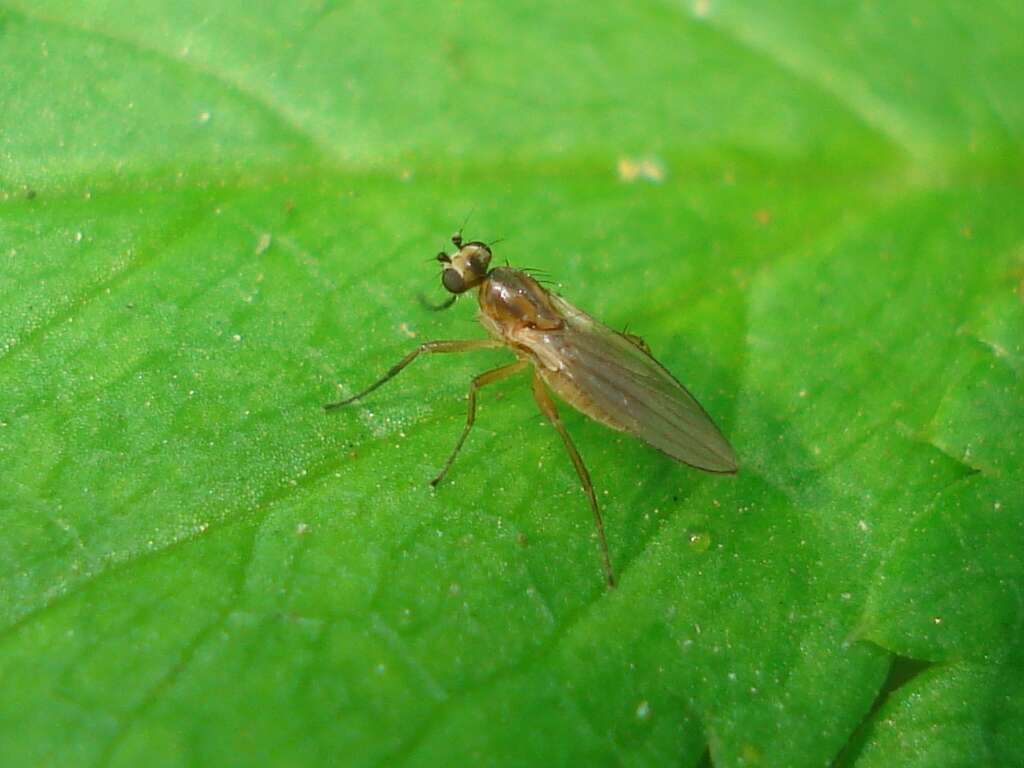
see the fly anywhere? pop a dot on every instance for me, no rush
(610, 377)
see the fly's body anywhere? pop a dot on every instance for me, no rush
(610, 377)
(606, 375)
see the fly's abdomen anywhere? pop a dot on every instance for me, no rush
(567, 389)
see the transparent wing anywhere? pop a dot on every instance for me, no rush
(633, 391)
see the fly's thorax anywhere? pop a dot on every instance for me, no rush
(513, 300)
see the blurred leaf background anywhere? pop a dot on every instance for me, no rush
(216, 217)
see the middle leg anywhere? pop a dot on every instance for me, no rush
(497, 374)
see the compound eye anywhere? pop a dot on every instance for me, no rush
(444, 258)
(452, 281)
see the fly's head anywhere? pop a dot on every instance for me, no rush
(467, 267)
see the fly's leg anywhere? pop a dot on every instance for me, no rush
(438, 307)
(426, 347)
(547, 407)
(636, 341)
(480, 381)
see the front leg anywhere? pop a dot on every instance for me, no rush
(426, 347)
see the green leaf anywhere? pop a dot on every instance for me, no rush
(214, 220)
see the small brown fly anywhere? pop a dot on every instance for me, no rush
(606, 375)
